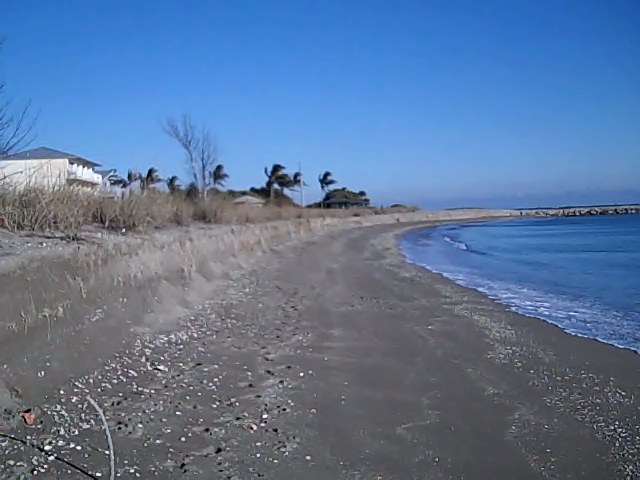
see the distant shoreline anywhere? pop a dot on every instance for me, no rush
(605, 209)
(564, 207)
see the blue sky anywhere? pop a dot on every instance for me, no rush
(440, 103)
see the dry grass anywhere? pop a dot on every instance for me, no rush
(40, 210)
(66, 210)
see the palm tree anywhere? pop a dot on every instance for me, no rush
(277, 171)
(151, 178)
(126, 183)
(219, 176)
(284, 181)
(296, 181)
(132, 177)
(326, 180)
(117, 181)
(173, 184)
(298, 184)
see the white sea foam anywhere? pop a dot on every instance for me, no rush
(456, 244)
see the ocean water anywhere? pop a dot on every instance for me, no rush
(579, 273)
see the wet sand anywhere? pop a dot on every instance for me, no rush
(334, 359)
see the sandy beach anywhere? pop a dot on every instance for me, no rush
(328, 359)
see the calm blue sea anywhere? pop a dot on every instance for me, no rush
(580, 273)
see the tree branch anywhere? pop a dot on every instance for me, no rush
(17, 127)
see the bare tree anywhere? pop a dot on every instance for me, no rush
(201, 152)
(17, 124)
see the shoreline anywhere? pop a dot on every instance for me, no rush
(495, 297)
(334, 358)
(581, 355)
(506, 307)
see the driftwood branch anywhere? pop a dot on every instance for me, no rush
(112, 458)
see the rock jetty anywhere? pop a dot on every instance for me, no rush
(582, 211)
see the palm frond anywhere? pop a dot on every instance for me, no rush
(173, 184)
(219, 176)
(284, 181)
(326, 180)
(132, 176)
(118, 181)
(152, 175)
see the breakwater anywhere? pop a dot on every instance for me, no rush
(582, 211)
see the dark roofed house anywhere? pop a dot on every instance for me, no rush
(345, 203)
(47, 167)
(46, 153)
(344, 198)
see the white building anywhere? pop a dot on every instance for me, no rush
(46, 167)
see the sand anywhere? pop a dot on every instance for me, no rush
(331, 358)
